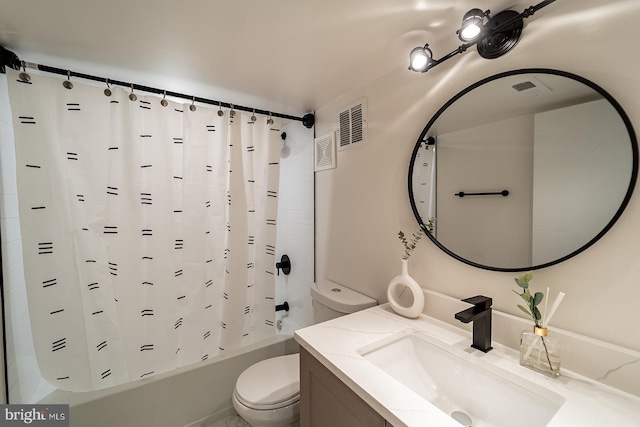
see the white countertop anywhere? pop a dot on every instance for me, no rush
(335, 344)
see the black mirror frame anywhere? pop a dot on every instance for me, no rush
(623, 205)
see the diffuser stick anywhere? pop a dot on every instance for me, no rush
(544, 313)
(555, 305)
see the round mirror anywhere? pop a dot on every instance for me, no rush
(523, 170)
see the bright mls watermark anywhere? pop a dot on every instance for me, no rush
(34, 415)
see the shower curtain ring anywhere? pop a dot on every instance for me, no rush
(67, 83)
(220, 112)
(164, 101)
(192, 107)
(269, 120)
(232, 113)
(253, 116)
(132, 96)
(23, 76)
(107, 91)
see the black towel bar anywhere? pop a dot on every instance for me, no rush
(504, 193)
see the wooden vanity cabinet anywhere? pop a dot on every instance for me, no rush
(327, 401)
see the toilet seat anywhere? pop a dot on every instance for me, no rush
(270, 384)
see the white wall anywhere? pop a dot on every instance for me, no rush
(361, 205)
(580, 154)
(489, 230)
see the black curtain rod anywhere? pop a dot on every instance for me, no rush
(11, 60)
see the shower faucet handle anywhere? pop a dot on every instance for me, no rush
(284, 264)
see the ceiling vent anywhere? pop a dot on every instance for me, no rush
(532, 86)
(325, 152)
(353, 125)
(523, 86)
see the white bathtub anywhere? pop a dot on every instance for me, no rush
(195, 396)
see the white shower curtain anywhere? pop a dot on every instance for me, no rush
(148, 232)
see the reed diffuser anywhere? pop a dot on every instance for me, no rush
(538, 351)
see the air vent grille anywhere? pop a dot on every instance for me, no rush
(357, 134)
(345, 128)
(524, 86)
(531, 87)
(353, 125)
(324, 153)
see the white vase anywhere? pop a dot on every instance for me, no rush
(405, 295)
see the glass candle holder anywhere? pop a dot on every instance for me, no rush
(540, 352)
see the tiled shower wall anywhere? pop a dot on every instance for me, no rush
(295, 238)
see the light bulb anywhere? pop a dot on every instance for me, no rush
(470, 32)
(419, 58)
(471, 25)
(419, 61)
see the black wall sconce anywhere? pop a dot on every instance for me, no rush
(494, 36)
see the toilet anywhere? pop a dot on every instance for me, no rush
(267, 394)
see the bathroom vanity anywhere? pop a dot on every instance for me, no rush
(375, 368)
(333, 402)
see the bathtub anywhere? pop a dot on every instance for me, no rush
(194, 396)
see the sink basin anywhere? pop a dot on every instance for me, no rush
(473, 391)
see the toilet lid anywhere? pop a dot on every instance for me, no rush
(270, 383)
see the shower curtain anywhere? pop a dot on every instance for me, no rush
(148, 231)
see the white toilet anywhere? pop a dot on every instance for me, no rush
(267, 394)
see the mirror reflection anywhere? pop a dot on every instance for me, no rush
(545, 161)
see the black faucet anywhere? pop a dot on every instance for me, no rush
(480, 315)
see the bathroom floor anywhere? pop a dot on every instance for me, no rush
(232, 421)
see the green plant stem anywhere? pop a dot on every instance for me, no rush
(546, 352)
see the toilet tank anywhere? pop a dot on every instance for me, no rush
(331, 300)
